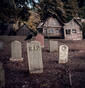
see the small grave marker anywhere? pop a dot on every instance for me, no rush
(63, 54)
(16, 51)
(40, 38)
(53, 46)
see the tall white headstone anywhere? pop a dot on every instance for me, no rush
(34, 53)
(16, 51)
(63, 54)
(53, 46)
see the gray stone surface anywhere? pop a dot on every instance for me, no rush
(1, 45)
(53, 46)
(63, 54)
(16, 51)
(34, 53)
(2, 76)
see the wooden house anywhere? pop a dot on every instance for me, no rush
(73, 30)
(24, 30)
(52, 27)
(83, 20)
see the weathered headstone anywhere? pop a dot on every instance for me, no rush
(34, 53)
(16, 51)
(2, 76)
(1, 45)
(63, 54)
(40, 38)
(53, 46)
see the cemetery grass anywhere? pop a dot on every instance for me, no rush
(54, 76)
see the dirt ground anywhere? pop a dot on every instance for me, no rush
(54, 76)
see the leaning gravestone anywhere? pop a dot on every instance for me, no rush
(1, 45)
(2, 76)
(16, 51)
(34, 57)
(63, 54)
(53, 46)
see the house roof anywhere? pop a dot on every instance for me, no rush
(78, 21)
(52, 22)
(54, 17)
(75, 20)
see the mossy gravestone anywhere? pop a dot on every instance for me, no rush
(53, 46)
(2, 76)
(34, 53)
(16, 51)
(63, 54)
(40, 38)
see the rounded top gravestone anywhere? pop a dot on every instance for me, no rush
(16, 51)
(63, 53)
(64, 47)
(16, 42)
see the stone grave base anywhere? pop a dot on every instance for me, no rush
(14, 59)
(36, 71)
(62, 61)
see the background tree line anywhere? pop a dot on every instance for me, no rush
(28, 10)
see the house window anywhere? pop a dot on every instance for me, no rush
(73, 30)
(51, 31)
(44, 30)
(57, 30)
(68, 31)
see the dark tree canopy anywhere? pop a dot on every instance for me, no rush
(19, 9)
